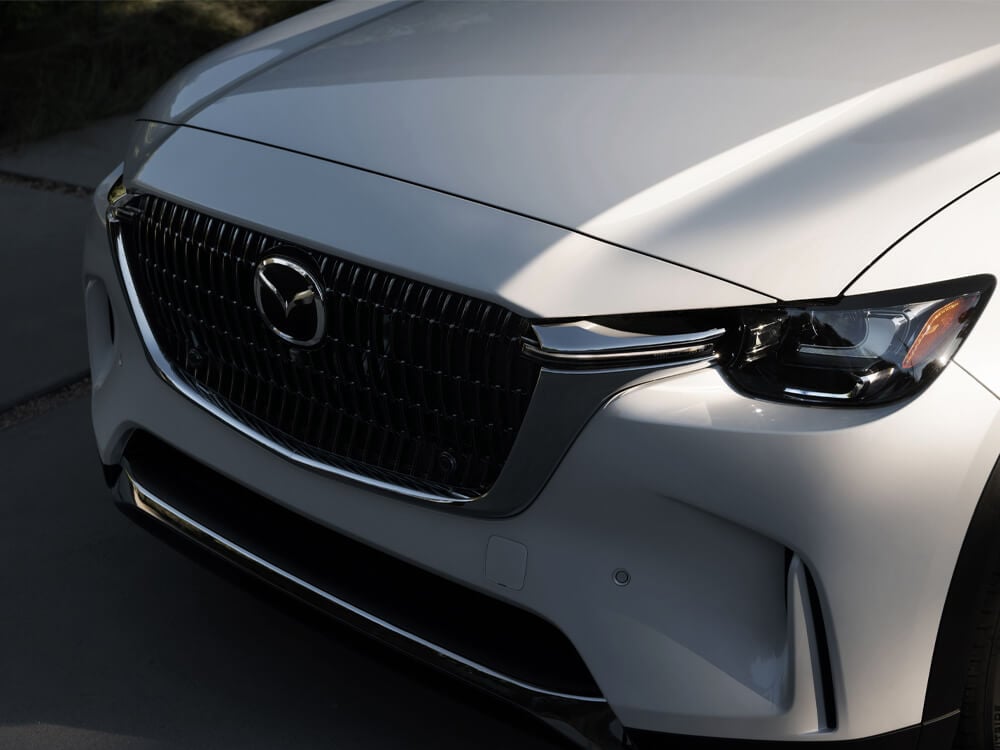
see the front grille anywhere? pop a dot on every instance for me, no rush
(411, 385)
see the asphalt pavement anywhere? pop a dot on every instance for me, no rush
(109, 638)
(44, 199)
(41, 299)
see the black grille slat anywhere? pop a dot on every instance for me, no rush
(412, 385)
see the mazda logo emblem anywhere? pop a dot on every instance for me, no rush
(290, 300)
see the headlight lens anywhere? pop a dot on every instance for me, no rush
(117, 191)
(855, 351)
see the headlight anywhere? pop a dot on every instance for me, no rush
(117, 191)
(855, 351)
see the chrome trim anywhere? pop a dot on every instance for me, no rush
(584, 343)
(311, 295)
(565, 398)
(586, 719)
(861, 385)
(622, 359)
(819, 394)
(587, 337)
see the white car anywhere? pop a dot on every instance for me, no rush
(635, 362)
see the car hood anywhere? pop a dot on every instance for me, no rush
(782, 147)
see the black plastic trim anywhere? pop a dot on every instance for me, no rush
(486, 630)
(823, 652)
(936, 734)
(939, 734)
(111, 474)
(978, 558)
(904, 739)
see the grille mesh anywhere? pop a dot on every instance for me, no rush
(412, 385)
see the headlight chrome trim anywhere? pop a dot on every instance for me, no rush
(585, 344)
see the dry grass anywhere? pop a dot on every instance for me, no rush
(63, 64)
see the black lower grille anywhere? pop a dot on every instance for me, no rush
(489, 632)
(410, 384)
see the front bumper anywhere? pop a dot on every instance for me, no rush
(425, 617)
(787, 565)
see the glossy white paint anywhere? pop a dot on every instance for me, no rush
(880, 537)
(531, 266)
(767, 143)
(209, 76)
